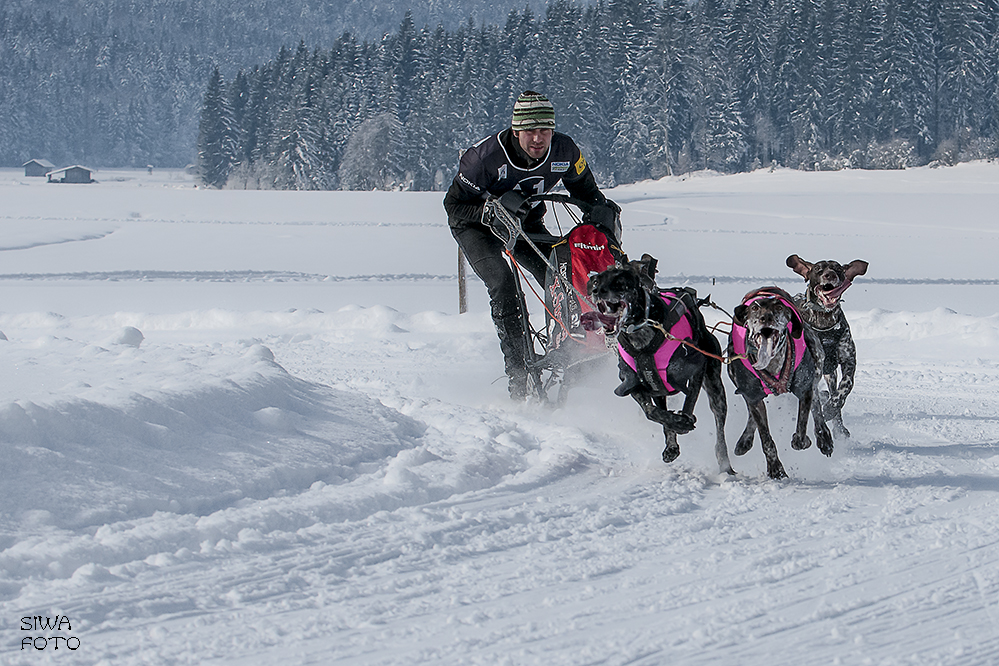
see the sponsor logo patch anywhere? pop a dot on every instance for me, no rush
(502, 172)
(468, 182)
(580, 164)
(560, 167)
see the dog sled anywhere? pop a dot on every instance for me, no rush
(560, 352)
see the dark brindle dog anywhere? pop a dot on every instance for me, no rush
(820, 307)
(659, 335)
(773, 352)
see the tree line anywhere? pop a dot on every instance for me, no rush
(646, 88)
(92, 90)
(112, 83)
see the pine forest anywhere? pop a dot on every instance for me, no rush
(646, 88)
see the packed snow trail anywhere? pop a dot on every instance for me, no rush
(242, 428)
(484, 532)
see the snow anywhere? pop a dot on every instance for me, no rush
(251, 428)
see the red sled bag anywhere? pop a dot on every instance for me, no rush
(585, 251)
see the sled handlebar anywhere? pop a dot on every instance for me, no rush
(584, 206)
(609, 224)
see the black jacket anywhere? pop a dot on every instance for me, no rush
(495, 165)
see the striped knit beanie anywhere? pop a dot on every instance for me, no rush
(533, 111)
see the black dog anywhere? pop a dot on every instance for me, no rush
(649, 325)
(773, 352)
(820, 308)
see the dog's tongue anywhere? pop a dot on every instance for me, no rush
(595, 321)
(830, 298)
(767, 351)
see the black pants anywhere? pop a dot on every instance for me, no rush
(485, 255)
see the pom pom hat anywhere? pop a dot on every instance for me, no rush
(533, 111)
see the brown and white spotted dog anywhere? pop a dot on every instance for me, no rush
(772, 351)
(820, 308)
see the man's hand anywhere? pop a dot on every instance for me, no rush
(606, 216)
(516, 203)
(501, 221)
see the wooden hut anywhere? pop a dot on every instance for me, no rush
(71, 174)
(37, 168)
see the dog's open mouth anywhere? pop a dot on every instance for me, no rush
(769, 343)
(607, 316)
(828, 294)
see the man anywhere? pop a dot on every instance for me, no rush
(529, 157)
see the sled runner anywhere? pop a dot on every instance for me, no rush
(558, 353)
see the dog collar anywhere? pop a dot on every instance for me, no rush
(646, 321)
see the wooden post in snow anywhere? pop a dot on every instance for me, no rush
(462, 289)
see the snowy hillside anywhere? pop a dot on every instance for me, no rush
(251, 428)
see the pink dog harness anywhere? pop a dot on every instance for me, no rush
(678, 332)
(772, 385)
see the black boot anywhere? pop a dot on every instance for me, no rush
(513, 343)
(518, 386)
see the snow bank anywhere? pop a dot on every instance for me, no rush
(117, 432)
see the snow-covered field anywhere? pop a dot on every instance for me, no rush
(251, 428)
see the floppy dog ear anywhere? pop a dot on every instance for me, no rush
(799, 265)
(796, 327)
(649, 265)
(739, 315)
(855, 268)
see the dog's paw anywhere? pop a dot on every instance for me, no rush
(775, 470)
(825, 440)
(744, 444)
(681, 423)
(677, 422)
(800, 442)
(628, 386)
(840, 431)
(671, 453)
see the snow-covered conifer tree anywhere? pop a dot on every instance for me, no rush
(216, 145)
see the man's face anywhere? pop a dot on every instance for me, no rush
(535, 142)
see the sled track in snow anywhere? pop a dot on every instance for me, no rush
(223, 276)
(295, 276)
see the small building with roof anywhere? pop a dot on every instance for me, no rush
(71, 174)
(37, 168)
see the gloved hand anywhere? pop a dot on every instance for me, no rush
(607, 217)
(516, 203)
(504, 216)
(603, 216)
